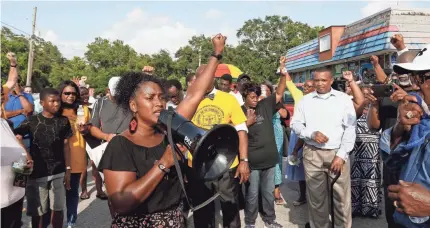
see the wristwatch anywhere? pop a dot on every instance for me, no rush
(13, 65)
(162, 167)
(217, 56)
(244, 159)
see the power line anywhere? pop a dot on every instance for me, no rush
(8, 25)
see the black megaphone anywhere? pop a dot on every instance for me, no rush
(213, 151)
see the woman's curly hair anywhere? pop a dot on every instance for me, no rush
(128, 85)
(250, 87)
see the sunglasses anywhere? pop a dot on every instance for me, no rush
(70, 93)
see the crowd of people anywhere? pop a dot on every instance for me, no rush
(353, 143)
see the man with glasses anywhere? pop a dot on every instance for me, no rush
(382, 115)
(406, 147)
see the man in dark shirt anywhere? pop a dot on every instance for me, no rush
(262, 152)
(50, 151)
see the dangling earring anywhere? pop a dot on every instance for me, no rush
(132, 127)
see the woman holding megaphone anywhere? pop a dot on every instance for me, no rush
(141, 182)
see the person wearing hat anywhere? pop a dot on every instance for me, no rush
(405, 147)
(382, 115)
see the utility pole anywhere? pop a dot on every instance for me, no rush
(31, 52)
(200, 56)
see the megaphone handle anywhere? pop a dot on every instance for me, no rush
(178, 151)
(178, 168)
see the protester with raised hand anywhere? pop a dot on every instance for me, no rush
(141, 181)
(263, 153)
(10, 83)
(406, 148)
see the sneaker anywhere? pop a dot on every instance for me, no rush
(272, 225)
(249, 226)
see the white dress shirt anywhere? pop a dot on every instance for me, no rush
(402, 51)
(238, 97)
(332, 114)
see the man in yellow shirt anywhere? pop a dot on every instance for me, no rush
(220, 108)
(11, 81)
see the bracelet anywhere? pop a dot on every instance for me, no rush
(14, 65)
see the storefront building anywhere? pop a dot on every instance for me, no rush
(349, 47)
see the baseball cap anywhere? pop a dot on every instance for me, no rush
(112, 84)
(242, 76)
(420, 63)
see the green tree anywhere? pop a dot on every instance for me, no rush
(266, 40)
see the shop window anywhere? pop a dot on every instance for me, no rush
(325, 43)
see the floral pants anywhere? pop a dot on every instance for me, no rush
(171, 218)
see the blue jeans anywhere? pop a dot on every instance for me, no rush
(72, 198)
(263, 182)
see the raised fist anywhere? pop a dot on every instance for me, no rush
(374, 60)
(148, 69)
(398, 41)
(218, 42)
(12, 58)
(347, 75)
(283, 60)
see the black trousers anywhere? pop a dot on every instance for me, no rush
(200, 191)
(12, 214)
(390, 178)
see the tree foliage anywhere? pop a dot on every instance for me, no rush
(261, 42)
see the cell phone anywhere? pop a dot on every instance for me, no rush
(382, 90)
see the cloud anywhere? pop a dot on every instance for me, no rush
(68, 48)
(148, 33)
(376, 6)
(213, 14)
(145, 32)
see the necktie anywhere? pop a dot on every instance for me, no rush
(211, 96)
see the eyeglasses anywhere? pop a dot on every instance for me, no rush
(307, 86)
(70, 93)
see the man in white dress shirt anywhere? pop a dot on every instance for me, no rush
(326, 120)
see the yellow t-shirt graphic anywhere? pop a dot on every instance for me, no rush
(223, 109)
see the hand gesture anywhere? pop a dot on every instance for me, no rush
(12, 58)
(242, 172)
(148, 69)
(218, 42)
(397, 41)
(408, 113)
(372, 99)
(337, 165)
(319, 137)
(76, 80)
(399, 94)
(251, 117)
(283, 61)
(347, 75)
(374, 60)
(410, 198)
